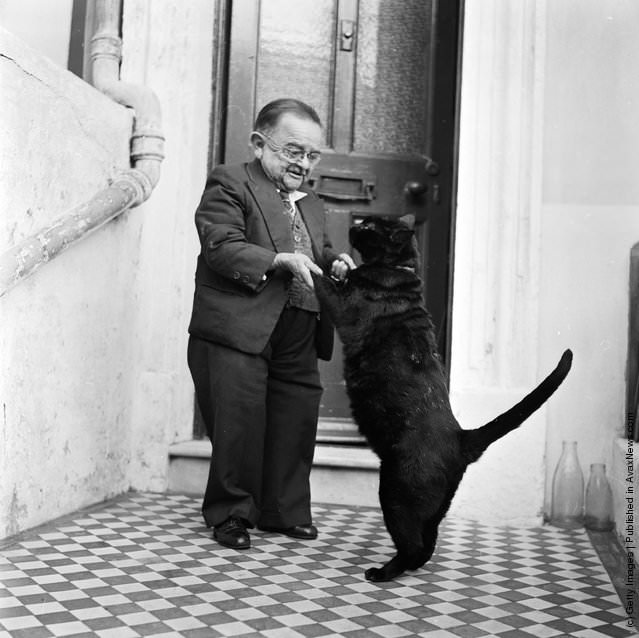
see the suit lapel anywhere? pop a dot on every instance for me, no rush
(312, 211)
(276, 220)
(271, 207)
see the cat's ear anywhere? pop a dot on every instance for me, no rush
(409, 220)
(402, 235)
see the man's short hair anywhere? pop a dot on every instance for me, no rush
(270, 114)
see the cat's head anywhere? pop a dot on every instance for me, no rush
(386, 241)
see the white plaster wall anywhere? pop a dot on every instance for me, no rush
(563, 203)
(31, 21)
(58, 141)
(65, 346)
(167, 46)
(505, 487)
(495, 359)
(584, 302)
(590, 216)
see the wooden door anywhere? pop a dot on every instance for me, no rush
(382, 76)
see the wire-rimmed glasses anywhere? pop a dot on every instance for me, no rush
(290, 152)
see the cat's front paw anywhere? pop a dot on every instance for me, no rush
(317, 278)
(324, 285)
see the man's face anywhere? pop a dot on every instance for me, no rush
(292, 133)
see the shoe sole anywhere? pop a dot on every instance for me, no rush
(233, 546)
(243, 546)
(302, 537)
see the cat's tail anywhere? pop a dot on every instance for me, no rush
(475, 442)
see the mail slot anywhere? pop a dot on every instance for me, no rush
(350, 188)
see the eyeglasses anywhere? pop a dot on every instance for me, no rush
(290, 151)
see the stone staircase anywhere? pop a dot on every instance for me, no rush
(345, 471)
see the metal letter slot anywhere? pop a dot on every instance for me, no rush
(344, 187)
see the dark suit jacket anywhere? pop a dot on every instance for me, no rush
(241, 225)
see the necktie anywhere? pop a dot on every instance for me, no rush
(289, 207)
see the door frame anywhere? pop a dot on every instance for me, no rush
(219, 82)
(447, 86)
(445, 137)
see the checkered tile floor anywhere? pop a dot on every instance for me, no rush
(145, 565)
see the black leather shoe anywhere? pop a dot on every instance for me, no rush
(305, 532)
(232, 533)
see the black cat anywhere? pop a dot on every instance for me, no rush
(397, 389)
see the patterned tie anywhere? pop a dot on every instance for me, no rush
(289, 207)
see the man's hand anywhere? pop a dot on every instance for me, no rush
(300, 265)
(341, 266)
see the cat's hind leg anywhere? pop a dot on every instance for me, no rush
(390, 570)
(406, 529)
(429, 540)
(407, 559)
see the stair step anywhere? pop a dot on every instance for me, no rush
(339, 438)
(196, 448)
(341, 474)
(189, 466)
(344, 456)
(338, 431)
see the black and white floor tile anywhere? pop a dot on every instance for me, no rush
(145, 565)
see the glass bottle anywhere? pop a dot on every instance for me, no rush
(599, 515)
(568, 489)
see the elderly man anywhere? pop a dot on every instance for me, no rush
(256, 331)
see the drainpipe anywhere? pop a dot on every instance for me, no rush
(129, 188)
(147, 142)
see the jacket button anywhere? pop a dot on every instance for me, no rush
(246, 279)
(236, 275)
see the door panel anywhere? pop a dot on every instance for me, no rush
(393, 77)
(291, 31)
(369, 68)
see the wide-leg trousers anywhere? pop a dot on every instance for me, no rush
(260, 413)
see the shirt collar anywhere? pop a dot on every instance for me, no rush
(295, 196)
